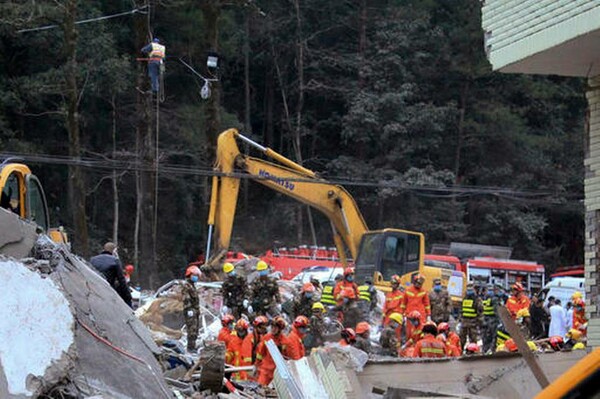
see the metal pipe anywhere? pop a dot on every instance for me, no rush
(278, 157)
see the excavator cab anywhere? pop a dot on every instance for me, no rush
(22, 194)
(383, 253)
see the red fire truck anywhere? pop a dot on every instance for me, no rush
(488, 264)
(291, 261)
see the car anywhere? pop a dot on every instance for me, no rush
(321, 273)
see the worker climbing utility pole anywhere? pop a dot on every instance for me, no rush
(156, 54)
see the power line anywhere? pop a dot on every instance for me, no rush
(441, 192)
(140, 10)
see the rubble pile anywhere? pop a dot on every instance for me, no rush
(65, 333)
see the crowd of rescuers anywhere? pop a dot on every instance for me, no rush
(415, 323)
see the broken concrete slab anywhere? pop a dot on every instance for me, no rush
(111, 354)
(503, 375)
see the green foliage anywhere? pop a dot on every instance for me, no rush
(416, 108)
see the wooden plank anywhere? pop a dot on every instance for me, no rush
(529, 357)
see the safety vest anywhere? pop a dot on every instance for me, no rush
(488, 308)
(468, 308)
(157, 52)
(363, 293)
(327, 295)
(501, 337)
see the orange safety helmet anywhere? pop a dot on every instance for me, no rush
(192, 270)
(472, 348)
(518, 287)
(241, 324)
(348, 271)
(279, 322)
(430, 328)
(260, 320)
(348, 334)
(415, 314)
(301, 321)
(395, 279)
(418, 277)
(129, 269)
(510, 345)
(443, 327)
(362, 327)
(227, 318)
(308, 287)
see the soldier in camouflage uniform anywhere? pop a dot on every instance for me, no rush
(264, 292)
(303, 304)
(441, 305)
(363, 334)
(234, 290)
(490, 318)
(191, 306)
(471, 317)
(389, 336)
(316, 330)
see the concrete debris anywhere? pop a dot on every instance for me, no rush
(66, 333)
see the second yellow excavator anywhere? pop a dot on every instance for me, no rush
(377, 254)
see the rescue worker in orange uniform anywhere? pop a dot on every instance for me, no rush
(346, 283)
(579, 319)
(429, 346)
(226, 329)
(517, 301)
(349, 314)
(393, 299)
(264, 362)
(414, 333)
(348, 337)
(234, 354)
(450, 338)
(416, 298)
(252, 340)
(295, 346)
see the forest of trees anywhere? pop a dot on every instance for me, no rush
(393, 98)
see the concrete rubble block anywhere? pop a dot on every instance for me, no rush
(110, 353)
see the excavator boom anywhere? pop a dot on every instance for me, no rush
(289, 179)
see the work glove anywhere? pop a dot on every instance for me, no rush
(428, 318)
(250, 310)
(245, 304)
(190, 313)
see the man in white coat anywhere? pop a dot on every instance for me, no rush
(558, 325)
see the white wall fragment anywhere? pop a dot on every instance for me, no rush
(36, 325)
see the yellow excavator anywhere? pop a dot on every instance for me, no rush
(377, 254)
(22, 207)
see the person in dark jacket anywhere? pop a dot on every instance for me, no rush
(539, 317)
(110, 267)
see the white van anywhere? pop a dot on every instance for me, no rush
(562, 288)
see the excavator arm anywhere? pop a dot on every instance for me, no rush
(286, 177)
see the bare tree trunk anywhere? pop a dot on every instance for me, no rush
(460, 131)
(76, 185)
(300, 102)
(211, 9)
(147, 266)
(247, 105)
(362, 42)
(115, 234)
